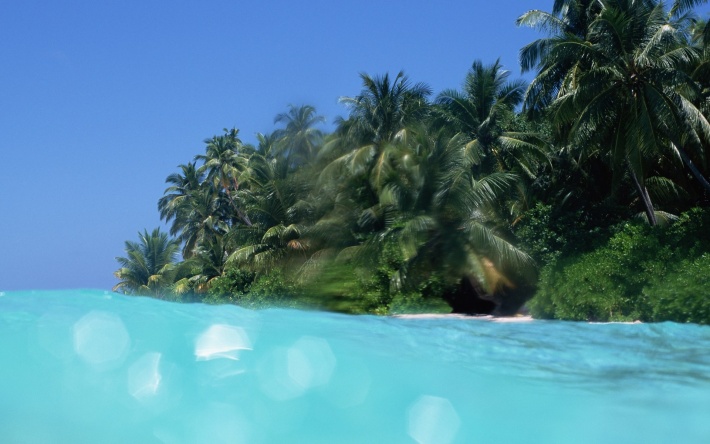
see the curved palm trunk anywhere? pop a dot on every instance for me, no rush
(645, 198)
(693, 169)
(240, 214)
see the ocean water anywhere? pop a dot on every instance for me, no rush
(90, 366)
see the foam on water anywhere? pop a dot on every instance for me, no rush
(91, 366)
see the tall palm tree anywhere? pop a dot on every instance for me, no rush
(204, 215)
(149, 267)
(225, 167)
(623, 88)
(568, 22)
(384, 108)
(481, 113)
(379, 117)
(300, 139)
(441, 215)
(176, 196)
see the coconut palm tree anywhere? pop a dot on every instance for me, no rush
(441, 215)
(300, 139)
(379, 118)
(622, 88)
(483, 113)
(176, 196)
(149, 267)
(385, 107)
(226, 167)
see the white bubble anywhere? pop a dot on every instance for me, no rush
(55, 334)
(217, 423)
(221, 341)
(100, 338)
(350, 384)
(274, 379)
(433, 420)
(311, 362)
(144, 376)
(287, 373)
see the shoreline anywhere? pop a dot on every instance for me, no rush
(491, 318)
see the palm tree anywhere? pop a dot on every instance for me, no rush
(379, 118)
(622, 88)
(482, 113)
(207, 263)
(176, 196)
(225, 167)
(299, 139)
(149, 267)
(568, 22)
(384, 108)
(204, 215)
(441, 215)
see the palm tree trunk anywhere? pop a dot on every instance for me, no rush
(240, 214)
(693, 169)
(645, 198)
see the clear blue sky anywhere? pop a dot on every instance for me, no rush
(101, 100)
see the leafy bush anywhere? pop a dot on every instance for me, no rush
(546, 232)
(417, 303)
(684, 294)
(228, 288)
(644, 273)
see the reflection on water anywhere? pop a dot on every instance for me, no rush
(90, 366)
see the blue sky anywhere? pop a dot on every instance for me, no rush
(101, 100)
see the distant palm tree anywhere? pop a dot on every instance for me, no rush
(385, 107)
(149, 267)
(205, 215)
(300, 139)
(443, 216)
(225, 167)
(481, 113)
(379, 117)
(176, 196)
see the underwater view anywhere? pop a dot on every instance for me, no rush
(87, 366)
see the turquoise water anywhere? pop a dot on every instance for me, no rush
(91, 366)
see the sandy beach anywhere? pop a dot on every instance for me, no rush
(465, 317)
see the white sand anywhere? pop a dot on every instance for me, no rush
(464, 317)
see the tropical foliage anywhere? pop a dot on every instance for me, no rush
(149, 266)
(459, 200)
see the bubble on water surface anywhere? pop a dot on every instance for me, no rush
(212, 423)
(221, 341)
(433, 420)
(55, 334)
(274, 378)
(310, 362)
(287, 373)
(101, 339)
(350, 383)
(144, 376)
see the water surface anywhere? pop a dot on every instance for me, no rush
(88, 366)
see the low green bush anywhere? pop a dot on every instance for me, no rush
(640, 273)
(684, 294)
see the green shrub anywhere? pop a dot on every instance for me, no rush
(230, 287)
(641, 272)
(417, 303)
(684, 294)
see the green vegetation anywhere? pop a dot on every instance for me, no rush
(641, 273)
(585, 188)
